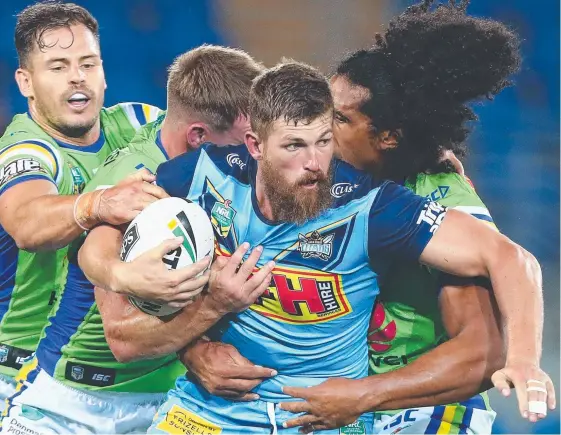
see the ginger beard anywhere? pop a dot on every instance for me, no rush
(296, 202)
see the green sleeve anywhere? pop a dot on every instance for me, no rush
(119, 165)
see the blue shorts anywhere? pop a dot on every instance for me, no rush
(192, 410)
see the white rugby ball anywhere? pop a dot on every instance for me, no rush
(162, 220)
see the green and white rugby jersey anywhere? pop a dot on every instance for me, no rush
(30, 282)
(73, 348)
(406, 320)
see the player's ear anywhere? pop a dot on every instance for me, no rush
(254, 145)
(197, 134)
(389, 139)
(25, 85)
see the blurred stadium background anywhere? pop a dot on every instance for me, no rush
(514, 151)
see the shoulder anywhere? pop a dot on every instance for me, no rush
(228, 161)
(350, 184)
(449, 189)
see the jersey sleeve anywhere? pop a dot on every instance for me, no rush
(119, 165)
(176, 175)
(400, 225)
(454, 191)
(26, 160)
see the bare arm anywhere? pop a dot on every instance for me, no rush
(132, 334)
(466, 246)
(456, 369)
(48, 216)
(52, 220)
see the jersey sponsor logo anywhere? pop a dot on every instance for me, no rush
(432, 214)
(235, 159)
(402, 420)
(129, 240)
(14, 357)
(392, 360)
(77, 179)
(341, 189)
(356, 428)
(316, 245)
(303, 296)
(113, 156)
(90, 375)
(380, 335)
(19, 167)
(222, 217)
(439, 193)
(180, 420)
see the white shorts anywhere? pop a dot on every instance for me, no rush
(47, 406)
(444, 419)
(7, 389)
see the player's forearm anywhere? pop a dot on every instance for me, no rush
(453, 371)
(46, 223)
(517, 282)
(142, 336)
(99, 257)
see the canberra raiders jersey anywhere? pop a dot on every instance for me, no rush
(312, 321)
(30, 282)
(74, 349)
(406, 320)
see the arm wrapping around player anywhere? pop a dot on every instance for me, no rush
(465, 246)
(133, 335)
(454, 370)
(38, 218)
(233, 287)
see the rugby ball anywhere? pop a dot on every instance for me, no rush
(162, 220)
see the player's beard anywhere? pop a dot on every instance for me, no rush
(291, 202)
(75, 129)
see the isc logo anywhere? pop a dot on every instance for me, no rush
(99, 377)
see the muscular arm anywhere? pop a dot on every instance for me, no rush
(467, 247)
(456, 369)
(132, 334)
(48, 216)
(99, 257)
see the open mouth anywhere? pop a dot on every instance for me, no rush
(310, 184)
(78, 100)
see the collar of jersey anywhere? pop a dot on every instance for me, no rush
(160, 145)
(93, 148)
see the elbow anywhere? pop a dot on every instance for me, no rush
(124, 351)
(24, 242)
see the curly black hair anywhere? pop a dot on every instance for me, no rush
(422, 72)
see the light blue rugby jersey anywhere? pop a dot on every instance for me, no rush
(312, 321)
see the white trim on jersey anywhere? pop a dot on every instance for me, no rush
(128, 108)
(473, 210)
(39, 149)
